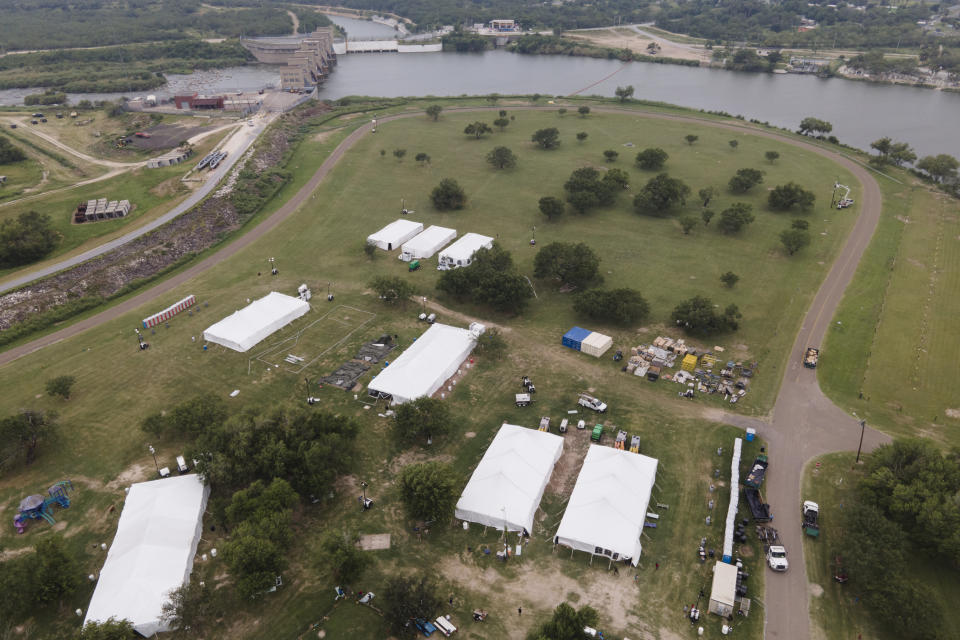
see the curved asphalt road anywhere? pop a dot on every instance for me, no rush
(804, 424)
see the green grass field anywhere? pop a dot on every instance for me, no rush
(896, 341)
(20, 175)
(322, 242)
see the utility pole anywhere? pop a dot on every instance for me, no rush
(863, 426)
(153, 452)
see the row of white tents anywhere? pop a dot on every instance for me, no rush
(607, 508)
(415, 243)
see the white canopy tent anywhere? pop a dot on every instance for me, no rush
(507, 485)
(608, 505)
(460, 253)
(395, 234)
(427, 243)
(256, 321)
(723, 592)
(152, 553)
(425, 365)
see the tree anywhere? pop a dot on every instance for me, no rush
(697, 317)
(940, 167)
(422, 158)
(60, 386)
(729, 279)
(192, 606)
(26, 238)
(660, 195)
(9, 153)
(901, 153)
(391, 289)
(399, 153)
(448, 195)
(502, 158)
(548, 138)
(813, 125)
(734, 144)
(501, 123)
(706, 215)
(587, 189)
(434, 111)
(567, 263)
(566, 623)
(624, 93)
(735, 217)
(477, 129)
(551, 207)
(422, 419)
(110, 629)
(581, 136)
(22, 433)
(254, 562)
(561, 111)
(745, 179)
(491, 343)
(652, 159)
(771, 156)
(787, 196)
(706, 194)
(429, 490)
(407, 598)
(800, 224)
(690, 138)
(56, 570)
(687, 223)
(882, 146)
(370, 249)
(610, 155)
(794, 239)
(490, 279)
(617, 178)
(339, 552)
(584, 111)
(187, 419)
(618, 306)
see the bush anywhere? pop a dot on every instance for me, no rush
(10, 153)
(616, 306)
(448, 195)
(652, 159)
(391, 289)
(422, 419)
(745, 179)
(551, 207)
(61, 386)
(429, 490)
(26, 239)
(735, 217)
(698, 317)
(787, 196)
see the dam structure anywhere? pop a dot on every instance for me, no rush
(305, 62)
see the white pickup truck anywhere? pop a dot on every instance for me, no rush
(592, 403)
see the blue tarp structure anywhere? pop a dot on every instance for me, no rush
(575, 337)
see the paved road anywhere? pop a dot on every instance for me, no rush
(804, 423)
(237, 145)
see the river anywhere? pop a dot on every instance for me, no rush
(859, 111)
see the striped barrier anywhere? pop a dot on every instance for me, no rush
(169, 312)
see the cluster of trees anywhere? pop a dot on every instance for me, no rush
(745, 179)
(50, 96)
(10, 153)
(26, 239)
(556, 45)
(661, 195)
(905, 505)
(188, 419)
(587, 188)
(408, 598)
(429, 490)
(43, 577)
(491, 279)
(698, 317)
(622, 306)
(785, 197)
(566, 623)
(814, 126)
(748, 59)
(463, 42)
(890, 152)
(567, 264)
(421, 420)
(390, 289)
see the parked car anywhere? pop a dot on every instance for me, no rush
(590, 402)
(777, 558)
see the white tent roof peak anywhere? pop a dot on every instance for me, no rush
(243, 329)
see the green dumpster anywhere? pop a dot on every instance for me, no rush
(414, 265)
(597, 433)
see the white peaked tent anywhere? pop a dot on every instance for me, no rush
(506, 487)
(460, 253)
(606, 510)
(152, 553)
(426, 364)
(395, 234)
(427, 243)
(245, 328)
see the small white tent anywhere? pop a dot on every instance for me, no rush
(425, 365)
(507, 485)
(723, 592)
(395, 234)
(245, 328)
(460, 253)
(607, 507)
(152, 553)
(596, 344)
(427, 243)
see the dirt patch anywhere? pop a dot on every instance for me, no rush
(323, 136)
(167, 136)
(439, 308)
(628, 39)
(168, 187)
(134, 473)
(816, 590)
(903, 219)
(375, 541)
(567, 469)
(469, 434)
(953, 413)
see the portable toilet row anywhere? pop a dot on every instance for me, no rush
(586, 341)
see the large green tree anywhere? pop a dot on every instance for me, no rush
(189, 418)
(22, 434)
(794, 239)
(787, 196)
(478, 129)
(429, 490)
(422, 419)
(745, 179)
(10, 153)
(193, 606)
(491, 279)
(407, 598)
(566, 623)
(652, 159)
(56, 572)
(502, 158)
(624, 93)
(587, 187)
(60, 386)
(735, 217)
(815, 125)
(660, 195)
(567, 263)
(391, 289)
(548, 138)
(617, 306)
(110, 629)
(433, 111)
(26, 238)
(448, 196)
(941, 167)
(339, 552)
(551, 207)
(698, 317)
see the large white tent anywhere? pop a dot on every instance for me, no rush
(395, 234)
(427, 243)
(248, 326)
(152, 553)
(506, 487)
(460, 253)
(608, 505)
(425, 365)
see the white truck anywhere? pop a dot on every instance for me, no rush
(592, 403)
(777, 558)
(523, 399)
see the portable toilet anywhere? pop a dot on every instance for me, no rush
(574, 338)
(751, 434)
(689, 362)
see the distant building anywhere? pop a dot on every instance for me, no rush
(194, 102)
(504, 26)
(170, 158)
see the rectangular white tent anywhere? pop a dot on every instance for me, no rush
(596, 344)
(460, 253)
(507, 485)
(395, 234)
(245, 328)
(427, 243)
(425, 365)
(608, 505)
(723, 593)
(152, 553)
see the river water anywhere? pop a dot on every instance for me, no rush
(859, 111)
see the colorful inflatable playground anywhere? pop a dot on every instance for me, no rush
(36, 506)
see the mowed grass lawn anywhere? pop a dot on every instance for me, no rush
(20, 175)
(835, 608)
(895, 339)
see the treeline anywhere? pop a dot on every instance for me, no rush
(59, 24)
(556, 45)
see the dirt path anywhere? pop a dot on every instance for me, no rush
(804, 424)
(296, 22)
(24, 124)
